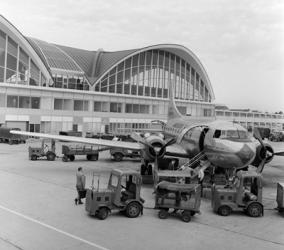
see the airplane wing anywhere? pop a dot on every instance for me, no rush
(93, 141)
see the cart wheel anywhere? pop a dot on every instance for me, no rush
(192, 213)
(71, 157)
(64, 158)
(118, 156)
(163, 214)
(133, 210)
(224, 210)
(103, 213)
(50, 156)
(186, 217)
(33, 157)
(254, 210)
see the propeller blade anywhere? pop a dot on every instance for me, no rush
(257, 135)
(140, 139)
(279, 153)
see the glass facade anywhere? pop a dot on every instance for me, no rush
(15, 64)
(151, 73)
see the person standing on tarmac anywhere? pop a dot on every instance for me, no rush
(80, 185)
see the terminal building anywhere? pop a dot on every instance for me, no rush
(251, 118)
(45, 87)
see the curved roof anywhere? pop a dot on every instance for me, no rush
(181, 51)
(94, 65)
(24, 43)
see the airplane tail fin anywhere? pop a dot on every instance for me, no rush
(173, 112)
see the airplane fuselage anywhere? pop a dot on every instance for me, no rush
(224, 144)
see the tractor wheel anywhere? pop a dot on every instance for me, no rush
(224, 210)
(72, 157)
(163, 214)
(186, 217)
(33, 157)
(103, 213)
(50, 156)
(118, 156)
(133, 210)
(64, 158)
(255, 210)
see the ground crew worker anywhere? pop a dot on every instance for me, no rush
(80, 185)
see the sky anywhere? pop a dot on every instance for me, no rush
(239, 42)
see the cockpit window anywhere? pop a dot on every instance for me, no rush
(232, 134)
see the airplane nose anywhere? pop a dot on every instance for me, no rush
(246, 154)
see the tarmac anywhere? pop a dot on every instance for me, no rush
(37, 211)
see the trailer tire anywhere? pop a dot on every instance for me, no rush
(71, 157)
(118, 156)
(92, 157)
(95, 157)
(186, 217)
(103, 213)
(50, 156)
(64, 158)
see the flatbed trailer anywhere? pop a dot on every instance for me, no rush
(91, 152)
(183, 199)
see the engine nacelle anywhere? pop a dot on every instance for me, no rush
(263, 153)
(157, 143)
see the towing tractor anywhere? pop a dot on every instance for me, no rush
(244, 193)
(122, 194)
(43, 152)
